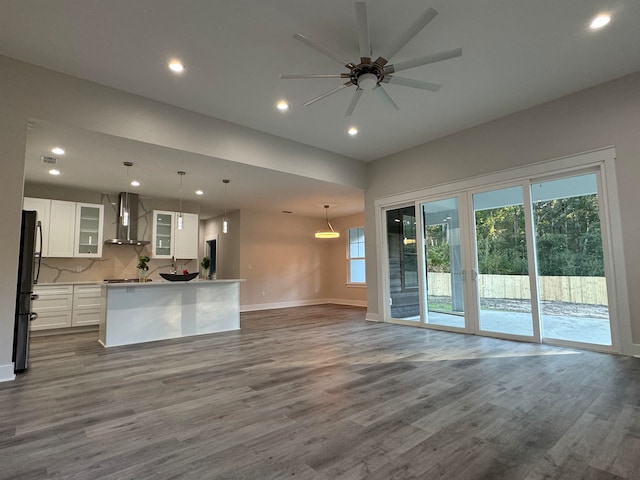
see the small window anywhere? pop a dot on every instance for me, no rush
(355, 255)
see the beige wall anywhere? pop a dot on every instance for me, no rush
(605, 115)
(281, 261)
(29, 92)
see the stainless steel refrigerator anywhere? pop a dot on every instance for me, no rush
(28, 271)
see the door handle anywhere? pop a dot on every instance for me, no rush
(35, 296)
(33, 316)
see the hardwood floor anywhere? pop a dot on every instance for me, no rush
(318, 393)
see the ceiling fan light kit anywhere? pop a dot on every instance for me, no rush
(368, 75)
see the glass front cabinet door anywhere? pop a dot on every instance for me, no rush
(162, 234)
(89, 225)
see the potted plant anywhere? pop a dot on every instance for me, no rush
(143, 268)
(205, 264)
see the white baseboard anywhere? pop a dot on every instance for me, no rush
(301, 303)
(373, 317)
(6, 373)
(272, 306)
(636, 350)
(351, 303)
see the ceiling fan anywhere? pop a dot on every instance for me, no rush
(368, 75)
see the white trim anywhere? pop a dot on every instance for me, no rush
(302, 303)
(636, 349)
(373, 317)
(6, 373)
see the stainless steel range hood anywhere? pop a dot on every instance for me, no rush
(127, 226)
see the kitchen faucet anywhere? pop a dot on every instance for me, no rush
(173, 266)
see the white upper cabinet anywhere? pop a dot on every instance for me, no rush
(62, 225)
(69, 229)
(186, 240)
(42, 206)
(88, 228)
(170, 241)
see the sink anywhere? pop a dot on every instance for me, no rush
(173, 277)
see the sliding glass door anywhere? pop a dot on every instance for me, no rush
(443, 263)
(571, 266)
(404, 296)
(523, 261)
(502, 279)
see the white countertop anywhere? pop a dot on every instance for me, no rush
(164, 283)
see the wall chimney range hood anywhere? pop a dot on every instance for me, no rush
(127, 224)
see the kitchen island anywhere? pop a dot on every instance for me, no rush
(145, 312)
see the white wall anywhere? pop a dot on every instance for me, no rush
(605, 115)
(29, 92)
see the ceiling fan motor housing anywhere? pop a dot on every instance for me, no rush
(366, 75)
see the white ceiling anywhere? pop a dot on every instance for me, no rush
(516, 54)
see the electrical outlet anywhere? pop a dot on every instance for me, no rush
(263, 294)
(78, 268)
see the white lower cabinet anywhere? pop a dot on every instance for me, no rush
(88, 305)
(61, 306)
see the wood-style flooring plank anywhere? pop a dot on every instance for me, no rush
(318, 393)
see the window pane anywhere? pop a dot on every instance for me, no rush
(353, 251)
(356, 271)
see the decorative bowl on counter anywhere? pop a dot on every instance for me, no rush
(174, 277)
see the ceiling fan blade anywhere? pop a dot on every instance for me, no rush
(354, 100)
(316, 75)
(410, 82)
(411, 32)
(330, 92)
(417, 62)
(320, 48)
(383, 93)
(362, 27)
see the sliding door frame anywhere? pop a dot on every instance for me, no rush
(602, 160)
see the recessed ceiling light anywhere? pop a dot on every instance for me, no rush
(176, 66)
(600, 21)
(199, 192)
(58, 151)
(352, 131)
(135, 183)
(54, 171)
(282, 105)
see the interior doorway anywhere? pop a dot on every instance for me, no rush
(212, 253)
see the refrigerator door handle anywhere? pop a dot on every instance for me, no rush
(39, 228)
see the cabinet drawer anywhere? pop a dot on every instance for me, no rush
(87, 297)
(53, 303)
(49, 320)
(46, 290)
(86, 317)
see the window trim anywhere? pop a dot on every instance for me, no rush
(349, 258)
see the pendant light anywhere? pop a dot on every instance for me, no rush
(180, 215)
(326, 230)
(225, 223)
(124, 206)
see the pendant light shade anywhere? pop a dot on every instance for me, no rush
(326, 230)
(180, 215)
(225, 222)
(124, 206)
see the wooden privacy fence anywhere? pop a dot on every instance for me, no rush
(590, 290)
